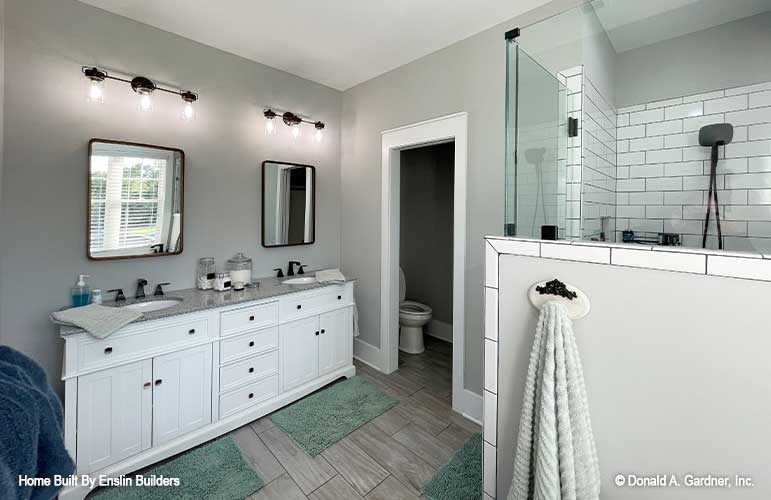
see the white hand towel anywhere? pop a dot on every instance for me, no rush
(556, 458)
(99, 321)
(330, 276)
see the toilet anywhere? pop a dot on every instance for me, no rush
(412, 317)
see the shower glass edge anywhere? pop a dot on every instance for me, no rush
(536, 176)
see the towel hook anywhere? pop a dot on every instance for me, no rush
(574, 300)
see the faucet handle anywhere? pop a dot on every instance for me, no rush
(280, 273)
(118, 295)
(159, 288)
(302, 267)
(141, 282)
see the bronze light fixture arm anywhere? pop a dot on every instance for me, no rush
(140, 84)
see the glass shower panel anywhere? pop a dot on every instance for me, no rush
(536, 147)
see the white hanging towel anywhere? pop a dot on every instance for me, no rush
(556, 458)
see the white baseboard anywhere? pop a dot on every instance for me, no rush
(470, 405)
(367, 354)
(440, 330)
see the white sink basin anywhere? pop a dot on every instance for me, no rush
(153, 305)
(307, 280)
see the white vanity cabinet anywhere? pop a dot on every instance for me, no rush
(158, 387)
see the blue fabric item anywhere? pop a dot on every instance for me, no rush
(31, 429)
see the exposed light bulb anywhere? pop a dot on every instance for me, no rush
(319, 136)
(270, 126)
(296, 130)
(145, 103)
(95, 92)
(188, 112)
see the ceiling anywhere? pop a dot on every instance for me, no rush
(338, 43)
(631, 24)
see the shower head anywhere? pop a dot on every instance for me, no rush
(535, 155)
(718, 134)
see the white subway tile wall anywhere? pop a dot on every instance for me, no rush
(663, 172)
(599, 160)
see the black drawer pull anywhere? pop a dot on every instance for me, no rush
(299, 306)
(339, 297)
(251, 318)
(108, 350)
(159, 381)
(251, 344)
(251, 395)
(191, 331)
(251, 370)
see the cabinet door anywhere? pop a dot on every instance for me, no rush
(181, 392)
(299, 352)
(335, 341)
(114, 415)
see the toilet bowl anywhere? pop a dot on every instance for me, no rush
(413, 316)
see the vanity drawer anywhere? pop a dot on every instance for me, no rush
(253, 368)
(292, 307)
(248, 344)
(248, 318)
(93, 354)
(250, 395)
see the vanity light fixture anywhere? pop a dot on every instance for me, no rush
(293, 121)
(144, 87)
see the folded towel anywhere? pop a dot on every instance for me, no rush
(99, 321)
(31, 428)
(330, 276)
(355, 320)
(555, 456)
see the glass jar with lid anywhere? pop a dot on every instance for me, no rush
(240, 268)
(205, 275)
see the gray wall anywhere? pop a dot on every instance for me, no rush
(44, 185)
(467, 76)
(683, 391)
(730, 55)
(426, 226)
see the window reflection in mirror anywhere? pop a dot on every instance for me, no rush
(135, 200)
(288, 204)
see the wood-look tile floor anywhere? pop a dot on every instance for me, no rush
(390, 458)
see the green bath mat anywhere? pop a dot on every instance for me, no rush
(461, 478)
(215, 471)
(328, 416)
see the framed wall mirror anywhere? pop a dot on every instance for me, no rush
(135, 200)
(288, 204)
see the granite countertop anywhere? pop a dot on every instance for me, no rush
(194, 300)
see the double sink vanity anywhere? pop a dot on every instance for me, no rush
(197, 365)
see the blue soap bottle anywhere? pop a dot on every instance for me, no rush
(81, 292)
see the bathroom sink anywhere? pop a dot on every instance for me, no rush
(153, 305)
(307, 280)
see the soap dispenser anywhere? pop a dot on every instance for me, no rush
(81, 293)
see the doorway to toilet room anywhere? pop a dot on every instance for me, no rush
(423, 263)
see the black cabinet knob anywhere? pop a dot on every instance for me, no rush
(159, 381)
(251, 370)
(251, 318)
(339, 297)
(251, 395)
(317, 333)
(322, 330)
(299, 306)
(251, 344)
(108, 350)
(191, 331)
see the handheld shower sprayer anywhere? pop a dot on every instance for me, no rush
(714, 136)
(535, 157)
